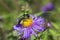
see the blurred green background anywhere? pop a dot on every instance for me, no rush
(10, 10)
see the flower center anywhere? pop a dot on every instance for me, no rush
(26, 22)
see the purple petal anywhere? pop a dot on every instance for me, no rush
(26, 33)
(39, 21)
(17, 27)
(38, 28)
(48, 24)
(32, 32)
(20, 32)
(33, 17)
(47, 7)
(50, 6)
(43, 9)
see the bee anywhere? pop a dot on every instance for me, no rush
(24, 16)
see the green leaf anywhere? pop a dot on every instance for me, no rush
(55, 25)
(33, 37)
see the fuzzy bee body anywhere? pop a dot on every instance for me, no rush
(25, 16)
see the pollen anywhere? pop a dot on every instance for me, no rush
(26, 22)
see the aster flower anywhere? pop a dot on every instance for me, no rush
(47, 7)
(29, 25)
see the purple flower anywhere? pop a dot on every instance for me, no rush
(47, 7)
(30, 26)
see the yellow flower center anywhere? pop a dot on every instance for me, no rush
(26, 22)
